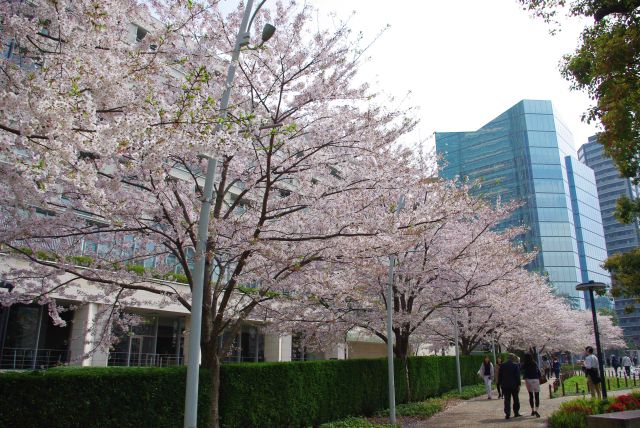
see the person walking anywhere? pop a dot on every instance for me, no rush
(497, 372)
(531, 374)
(626, 363)
(487, 373)
(546, 366)
(510, 385)
(615, 363)
(556, 367)
(590, 366)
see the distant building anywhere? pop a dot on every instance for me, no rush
(527, 154)
(620, 237)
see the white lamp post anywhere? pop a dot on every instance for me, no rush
(191, 395)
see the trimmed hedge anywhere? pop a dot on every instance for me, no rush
(98, 397)
(252, 394)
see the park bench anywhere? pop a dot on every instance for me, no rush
(628, 419)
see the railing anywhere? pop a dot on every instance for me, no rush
(143, 360)
(32, 359)
(241, 359)
(616, 378)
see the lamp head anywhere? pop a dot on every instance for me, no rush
(267, 32)
(595, 286)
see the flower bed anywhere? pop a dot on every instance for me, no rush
(573, 414)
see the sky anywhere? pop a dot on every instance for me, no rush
(464, 61)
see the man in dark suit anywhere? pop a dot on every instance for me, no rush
(510, 383)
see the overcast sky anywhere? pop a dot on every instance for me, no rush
(465, 61)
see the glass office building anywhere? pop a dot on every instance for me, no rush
(619, 237)
(527, 154)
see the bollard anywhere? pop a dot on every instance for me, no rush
(634, 379)
(562, 385)
(626, 381)
(608, 384)
(550, 391)
(577, 392)
(617, 379)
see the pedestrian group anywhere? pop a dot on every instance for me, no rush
(508, 377)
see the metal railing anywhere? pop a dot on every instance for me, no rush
(32, 359)
(242, 359)
(143, 360)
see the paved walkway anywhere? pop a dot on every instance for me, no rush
(480, 412)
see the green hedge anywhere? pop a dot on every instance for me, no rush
(252, 394)
(98, 397)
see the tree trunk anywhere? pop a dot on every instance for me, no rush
(214, 414)
(402, 352)
(211, 361)
(405, 363)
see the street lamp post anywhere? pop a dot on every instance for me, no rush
(458, 376)
(392, 387)
(590, 286)
(191, 393)
(493, 349)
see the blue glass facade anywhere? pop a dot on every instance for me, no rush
(527, 154)
(592, 247)
(619, 237)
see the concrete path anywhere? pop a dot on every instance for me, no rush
(480, 412)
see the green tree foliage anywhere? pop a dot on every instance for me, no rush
(625, 271)
(608, 312)
(606, 66)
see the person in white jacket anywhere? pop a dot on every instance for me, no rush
(626, 363)
(486, 373)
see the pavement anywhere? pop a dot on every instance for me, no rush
(480, 412)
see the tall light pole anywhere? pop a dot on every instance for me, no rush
(455, 329)
(392, 387)
(590, 286)
(493, 349)
(191, 394)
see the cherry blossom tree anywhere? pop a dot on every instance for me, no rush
(447, 252)
(492, 312)
(548, 324)
(100, 142)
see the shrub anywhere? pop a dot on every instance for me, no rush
(251, 395)
(137, 269)
(624, 402)
(356, 423)
(467, 393)
(422, 409)
(98, 397)
(176, 277)
(573, 414)
(80, 260)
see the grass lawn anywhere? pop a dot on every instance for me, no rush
(581, 382)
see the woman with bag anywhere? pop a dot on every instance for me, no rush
(532, 376)
(497, 372)
(486, 373)
(590, 367)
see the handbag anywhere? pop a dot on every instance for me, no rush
(594, 374)
(541, 377)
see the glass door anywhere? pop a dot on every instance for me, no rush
(135, 345)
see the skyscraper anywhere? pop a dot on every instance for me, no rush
(619, 237)
(527, 154)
